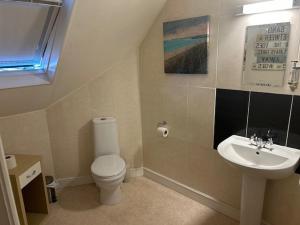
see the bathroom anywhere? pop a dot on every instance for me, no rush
(107, 59)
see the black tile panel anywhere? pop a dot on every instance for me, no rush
(231, 114)
(294, 132)
(269, 112)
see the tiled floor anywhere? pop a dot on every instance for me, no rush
(144, 203)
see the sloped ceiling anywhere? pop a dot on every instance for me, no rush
(101, 32)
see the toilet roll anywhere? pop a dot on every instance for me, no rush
(163, 132)
(11, 161)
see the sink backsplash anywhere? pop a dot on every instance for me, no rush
(246, 113)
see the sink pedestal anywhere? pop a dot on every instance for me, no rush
(253, 192)
(257, 166)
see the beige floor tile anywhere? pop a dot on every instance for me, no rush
(144, 203)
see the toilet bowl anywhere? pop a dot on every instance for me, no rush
(109, 172)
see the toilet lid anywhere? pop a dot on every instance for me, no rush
(108, 166)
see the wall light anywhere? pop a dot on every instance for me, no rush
(268, 6)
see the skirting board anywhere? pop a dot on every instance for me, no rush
(73, 181)
(195, 195)
(77, 181)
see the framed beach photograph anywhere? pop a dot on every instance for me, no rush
(186, 46)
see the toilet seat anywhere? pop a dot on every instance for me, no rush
(108, 166)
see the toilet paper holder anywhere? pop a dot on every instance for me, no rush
(162, 129)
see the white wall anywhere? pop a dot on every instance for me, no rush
(114, 93)
(28, 133)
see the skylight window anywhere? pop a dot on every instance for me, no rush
(27, 31)
(32, 34)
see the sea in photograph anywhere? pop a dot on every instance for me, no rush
(172, 47)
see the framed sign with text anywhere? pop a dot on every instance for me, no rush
(266, 53)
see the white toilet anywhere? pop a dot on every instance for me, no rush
(109, 168)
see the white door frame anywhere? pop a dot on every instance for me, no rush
(7, 193)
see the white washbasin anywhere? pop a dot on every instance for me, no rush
(280, 162)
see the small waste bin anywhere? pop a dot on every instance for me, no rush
(51, 186)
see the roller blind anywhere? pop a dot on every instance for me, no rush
(25, 32)
(57, 3)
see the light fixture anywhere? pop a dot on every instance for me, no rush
(268, 6)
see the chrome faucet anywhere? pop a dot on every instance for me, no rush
(256, 141)
(261, 143)
(269, 144)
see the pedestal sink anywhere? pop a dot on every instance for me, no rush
(257, 165)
